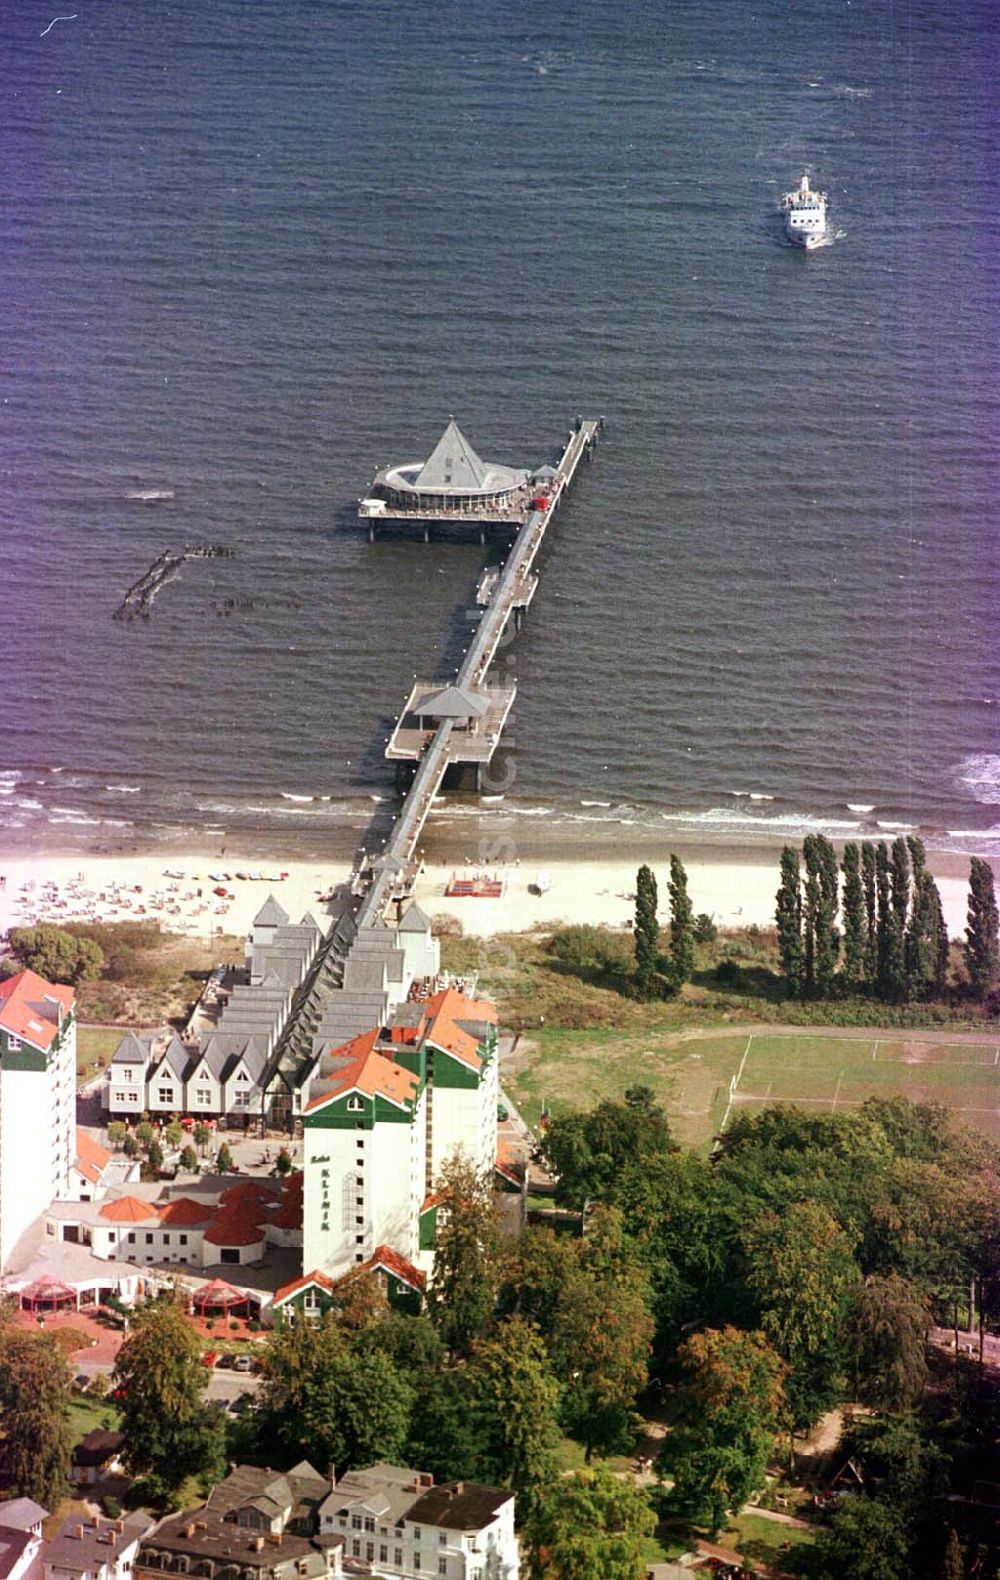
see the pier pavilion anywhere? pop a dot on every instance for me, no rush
(453, 484)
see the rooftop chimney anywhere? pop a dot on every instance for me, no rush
(78, 1533)
(331, 1472)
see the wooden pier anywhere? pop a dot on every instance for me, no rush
(462, 721)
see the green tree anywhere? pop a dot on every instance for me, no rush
(801, 1268)
(189, 1160)
(332, 1393)
(899, 880)
(173, 1135)
(117, 1131)
(870, 889)
(57, 955)
(926, 941)
(283, 1162)
(952, 1562)
(145, 1134)
(681, 924)
(854, 918)
(169, 1432)
(730, 1408)
(464, 1289)
(647, 931)
(788, 914)
(886, 1338)
(822, 880)
(590, 1526)
(520, 1402)
(224, 1160)
(154, 1159)
(201, 1135)
(588, 1151)
(890, 886)
(705, 930)
(601, 1338)
(981, 947)
(867, 1541)
(34, 1404)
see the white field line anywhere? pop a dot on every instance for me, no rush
(843, 1102)
(875, 1049)
(836, 1092)
(734, 1082)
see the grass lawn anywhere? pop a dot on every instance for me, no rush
(87, 1414)
(93, 1043)
(702, 1079)
(765, 1540)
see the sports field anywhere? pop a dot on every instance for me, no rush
(703, 1080)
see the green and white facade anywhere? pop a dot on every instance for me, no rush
(37, 1101)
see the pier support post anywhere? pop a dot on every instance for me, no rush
(427, 533)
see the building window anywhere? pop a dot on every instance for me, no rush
(369, 1551)
(242, 1076)
(442, 1566)
(442, 1538)
(13, 1044)
(149, 1239)
(127, 1075)
(183, 1239)
(355, 1105)
(166, 1238)
(203, 1095)
(133, 1097)
(416, 1561)
(347, 1191)
(131, 1239)
(165, 1094)
(355, 1522)
(416, 1533)
(356, 1548)
(383, 1555)
(397, 1557)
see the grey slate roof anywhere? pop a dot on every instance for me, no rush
(388, 1490)
(20, 1514)
(452, 463)
(459, 1505)
(415, 920)
(453, 702)
(176, 1057)
(130, 1051)
(100, 1543)
(271, 914)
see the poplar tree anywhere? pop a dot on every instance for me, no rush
(788, 914)
(871, 912)
(899, 881)
(681, 924)
(981, 950)
(810, 912)
(822, 941)
(891, 964)
(647, 930)
(926, 941)
(854, 918)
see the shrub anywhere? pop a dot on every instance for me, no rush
(729, 972)
(705, 930)
(111, 1506)
(584, 947)
(283, 1163)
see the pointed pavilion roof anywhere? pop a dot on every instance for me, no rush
(271, 914)
(415, 920)
(452, 702)
(453, 463)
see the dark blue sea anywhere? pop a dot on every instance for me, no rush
(251, 252)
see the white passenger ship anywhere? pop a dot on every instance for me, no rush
(805, 215)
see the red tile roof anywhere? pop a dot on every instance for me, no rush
(361, 1068)
(185, 1210)
(387, 1260)
(287, 1217)
(128, 1209)
(240, 1226)
(447, 1008)
(91, 1158)
(288, 1290)
(25, 1013)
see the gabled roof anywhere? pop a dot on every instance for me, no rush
(96, 1448)
(415, 920)
(312, 1280)
(453, 702)
(359, 1067)
(175, 1056)
(184, 1210)
(452, 1017)
(128, 1209)
(130, 1051)
(30, 1008)
(20, 1514)
(91, 1158)
(270, 914)
(452, 463)
(459, 1505)
(386, 1260)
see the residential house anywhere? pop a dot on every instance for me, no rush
(21, 1541)
(95, 1548)
(258, 1524)
(95, 1457)
(397, 1523)
(37, 1100)
(89, 1171)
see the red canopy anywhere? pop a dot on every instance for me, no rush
(47, 1292)
(218, 1295)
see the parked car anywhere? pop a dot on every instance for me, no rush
(242, 1363)
(209, 1358)
(228, 1359)
(81, 1382)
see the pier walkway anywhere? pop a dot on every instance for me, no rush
(474, 707)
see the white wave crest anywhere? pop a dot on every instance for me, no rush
(980, 773)
(860, 806)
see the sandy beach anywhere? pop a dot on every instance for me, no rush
(736, 888)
